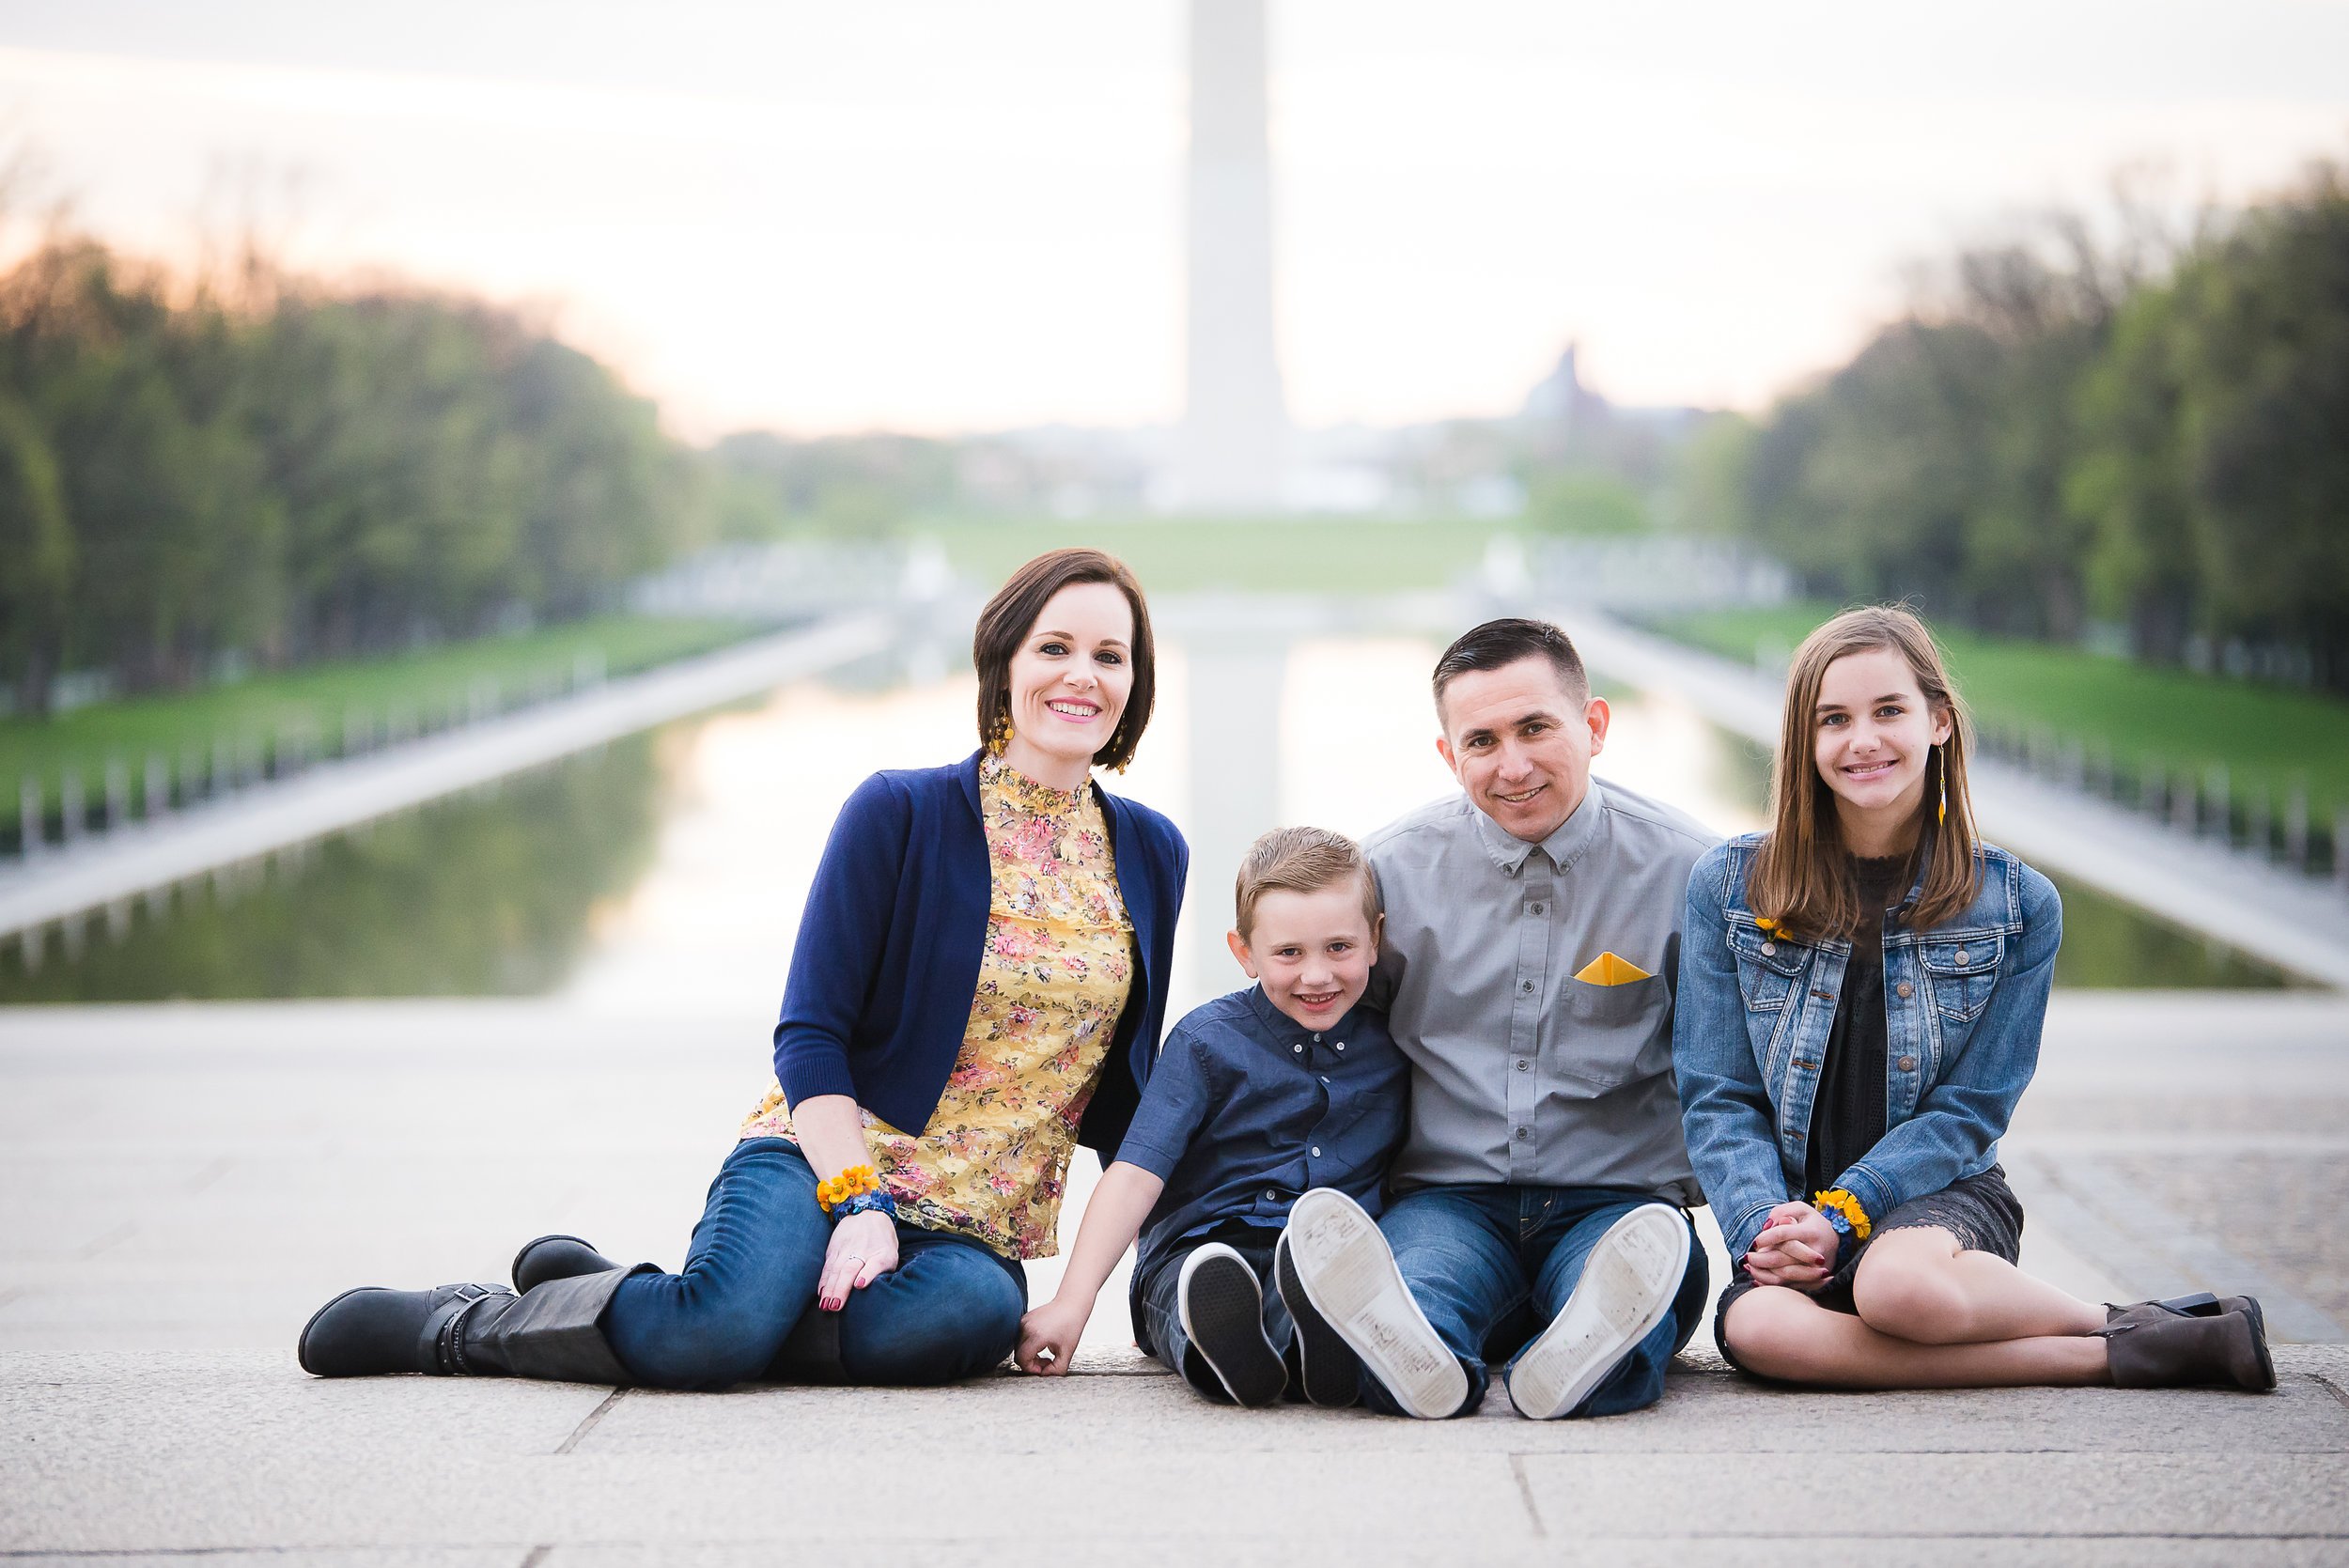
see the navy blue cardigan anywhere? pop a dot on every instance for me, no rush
(888, 954)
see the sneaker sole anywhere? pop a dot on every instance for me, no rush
(1326, 1364)
(1627, 1285)
(1221, 1308)
(1349, 1276)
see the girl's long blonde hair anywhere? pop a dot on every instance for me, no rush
(1800, 877)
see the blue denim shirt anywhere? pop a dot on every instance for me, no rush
(1963, 1007)
(1247, 1107)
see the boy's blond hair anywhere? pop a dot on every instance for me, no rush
(1300, 860)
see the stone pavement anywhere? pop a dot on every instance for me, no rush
(180, 1186)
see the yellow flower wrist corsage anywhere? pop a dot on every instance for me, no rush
(1848, 1206)
(855, 1180)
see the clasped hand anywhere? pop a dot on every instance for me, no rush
(864, 1248)
(1796, 1248)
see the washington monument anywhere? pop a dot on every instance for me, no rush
(1235, 434)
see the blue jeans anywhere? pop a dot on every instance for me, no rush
(1490, 1264)
(949, 1309)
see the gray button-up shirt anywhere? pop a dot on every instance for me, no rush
(1531, 985)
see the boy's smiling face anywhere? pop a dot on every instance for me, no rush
(1311, 952)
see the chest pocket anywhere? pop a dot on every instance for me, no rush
(1767, 968)
(1961, 972)
(1614, 1034)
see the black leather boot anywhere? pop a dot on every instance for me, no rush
(553, 1331)
(372, 1331)
(556, 1257)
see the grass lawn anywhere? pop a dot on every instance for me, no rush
(1263, 555)
(2267, 738)
(417, 688)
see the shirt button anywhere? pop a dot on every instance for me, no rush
(1523, 1065)
(1525, 985)
(1960, 955)
(1909, 1063)
(1298, 1050)
(1341, 1045)
(1524, 1133)
(1270, 1195)
(1316, 1151)
(1905, 989)
(1537, 908)
(1768, 949)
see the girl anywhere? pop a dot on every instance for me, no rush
(1861, 995)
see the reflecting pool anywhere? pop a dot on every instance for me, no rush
(667, 871)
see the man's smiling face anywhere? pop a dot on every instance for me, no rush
(1521, 743)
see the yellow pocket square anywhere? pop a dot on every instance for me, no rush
(1609, 970)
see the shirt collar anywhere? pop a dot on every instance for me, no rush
(1565, 845)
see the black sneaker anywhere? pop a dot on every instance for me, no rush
(1327, 1366)
(1222, 1313)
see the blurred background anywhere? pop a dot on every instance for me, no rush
(479, 483)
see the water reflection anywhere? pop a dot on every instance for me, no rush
(667, 871)
(480, 895)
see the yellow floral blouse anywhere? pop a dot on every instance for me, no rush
(1059, 961)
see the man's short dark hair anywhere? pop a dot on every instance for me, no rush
(1501, 643)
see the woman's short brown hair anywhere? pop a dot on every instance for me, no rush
(1008, 617)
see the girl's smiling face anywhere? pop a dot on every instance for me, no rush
(1872, 732)
(1069, 682)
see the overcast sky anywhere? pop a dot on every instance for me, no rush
(967, 215)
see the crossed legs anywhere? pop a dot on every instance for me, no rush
(1931, 1314)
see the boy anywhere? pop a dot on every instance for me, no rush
(1257, 1097)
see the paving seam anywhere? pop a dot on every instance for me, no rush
(1525, 1495)
(588, 1425)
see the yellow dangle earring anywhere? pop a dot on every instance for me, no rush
(1000, 743)
(1941, 756)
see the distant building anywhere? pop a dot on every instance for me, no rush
(1560, 400)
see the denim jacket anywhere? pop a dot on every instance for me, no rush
(1963, 1004)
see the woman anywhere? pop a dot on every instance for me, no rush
(1861, 994)
(978, 984)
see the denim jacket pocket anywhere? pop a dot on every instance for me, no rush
(1767, 968)
(1961, 972)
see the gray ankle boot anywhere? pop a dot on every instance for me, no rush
(2154, 1346)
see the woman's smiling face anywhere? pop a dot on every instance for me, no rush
(1872, 733)
(1069, 682)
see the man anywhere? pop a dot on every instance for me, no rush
(1532, 945)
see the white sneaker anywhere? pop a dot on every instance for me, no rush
(1349, 1274)
(1626, 1287)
